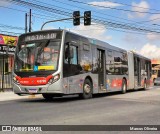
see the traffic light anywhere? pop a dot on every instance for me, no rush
(87, 18)
(76, 18)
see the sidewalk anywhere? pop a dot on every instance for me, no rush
(5, 96)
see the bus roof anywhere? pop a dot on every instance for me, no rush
(91, 40)
(98, 42)
(139, 55)
(41, 31)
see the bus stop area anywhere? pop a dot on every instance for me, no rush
(10, 95)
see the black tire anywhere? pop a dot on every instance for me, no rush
(48, 96)
(19, 94)
(124, 86)
(145, 85)
(87, 90)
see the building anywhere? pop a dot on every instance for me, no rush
(7, 48)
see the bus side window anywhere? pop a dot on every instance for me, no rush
(135, 66)
(73, 55)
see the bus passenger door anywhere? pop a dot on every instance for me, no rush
(101, 69)
(139, 71)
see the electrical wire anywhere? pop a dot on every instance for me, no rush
(11, 33)
(97, 19)
(89, 4)
(124, 4)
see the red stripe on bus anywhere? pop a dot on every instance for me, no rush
(33, 81)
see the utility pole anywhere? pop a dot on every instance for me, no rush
(30, 21)
(26, 28)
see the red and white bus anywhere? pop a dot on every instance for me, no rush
(59, 62)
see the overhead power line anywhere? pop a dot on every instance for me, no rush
(109, 23)
(89, 4)
(11, 27)
(124, 4)
(37, 15)
(40, 7)
(126, 27)
(108, 15)
(13, 9)
(10, 33)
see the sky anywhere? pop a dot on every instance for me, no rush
(131, 25)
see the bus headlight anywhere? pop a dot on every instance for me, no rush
(15, 80)
(54, 79)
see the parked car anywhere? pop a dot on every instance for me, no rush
(157, 81)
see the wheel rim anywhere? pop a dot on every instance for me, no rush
(87, 88)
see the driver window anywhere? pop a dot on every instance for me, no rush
(74, 57)
(71, 55)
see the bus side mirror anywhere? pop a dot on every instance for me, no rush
(68, 51)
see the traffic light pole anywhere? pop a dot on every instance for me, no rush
(55, 21)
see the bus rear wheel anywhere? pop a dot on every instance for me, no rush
(87, 90)
(48, 96)
(124, 86)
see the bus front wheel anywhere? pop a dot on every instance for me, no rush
(48, 96)
(87, 90)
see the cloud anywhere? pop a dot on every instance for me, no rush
(97, 31)
(153, 37)
(105, 4)
(155, 18)
(93, 31)
(4, 3)
(48, 27)
(133, 39)
(150, 51)
(138, 8)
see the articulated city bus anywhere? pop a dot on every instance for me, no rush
(59, 62)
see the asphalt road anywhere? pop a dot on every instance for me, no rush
(133, 108)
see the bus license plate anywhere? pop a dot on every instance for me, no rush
(33, 90)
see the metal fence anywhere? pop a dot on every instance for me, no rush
(6, 81)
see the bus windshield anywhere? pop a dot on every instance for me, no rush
(37, 56)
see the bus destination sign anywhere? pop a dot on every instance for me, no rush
(42, 36)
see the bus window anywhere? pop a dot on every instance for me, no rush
(48, 56)
(73, 55)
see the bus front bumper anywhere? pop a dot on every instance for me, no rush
(54, 88)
